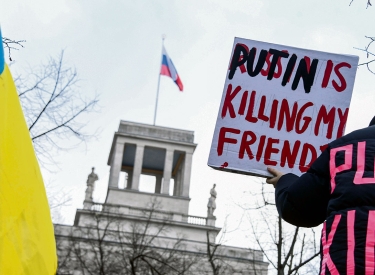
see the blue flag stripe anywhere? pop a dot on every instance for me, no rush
(2, 60)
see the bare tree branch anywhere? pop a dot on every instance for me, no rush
(108, 246)
(12, 45)
(57, 199)
(368, 3)
(54, 108)
(369, 54)
(290, 250)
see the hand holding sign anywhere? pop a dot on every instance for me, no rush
(276, 176)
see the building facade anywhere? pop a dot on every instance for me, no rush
(136, 232)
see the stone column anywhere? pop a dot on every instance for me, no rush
(168, 163)
(178, 180)
(128, 182)
(186, 175)
(158, 184)
(137, 169)
(117, 156)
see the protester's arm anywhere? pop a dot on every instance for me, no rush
(303, 201)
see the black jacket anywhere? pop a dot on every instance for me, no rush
(339, 190)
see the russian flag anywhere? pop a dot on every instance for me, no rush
(168, 69)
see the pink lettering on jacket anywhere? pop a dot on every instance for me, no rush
(370, 244)
(326, 243)
(350, 267)
(361, 158)
(348, 149)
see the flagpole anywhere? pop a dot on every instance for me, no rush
(157, 92)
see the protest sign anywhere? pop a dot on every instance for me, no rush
(280, 107)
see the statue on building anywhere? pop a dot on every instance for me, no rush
(92, 177)
(211, 206)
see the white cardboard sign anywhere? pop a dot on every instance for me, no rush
(280, 107)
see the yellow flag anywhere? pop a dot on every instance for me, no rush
(27, 243)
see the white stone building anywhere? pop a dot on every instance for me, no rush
(135, 232)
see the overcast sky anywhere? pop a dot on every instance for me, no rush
(116, 48)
